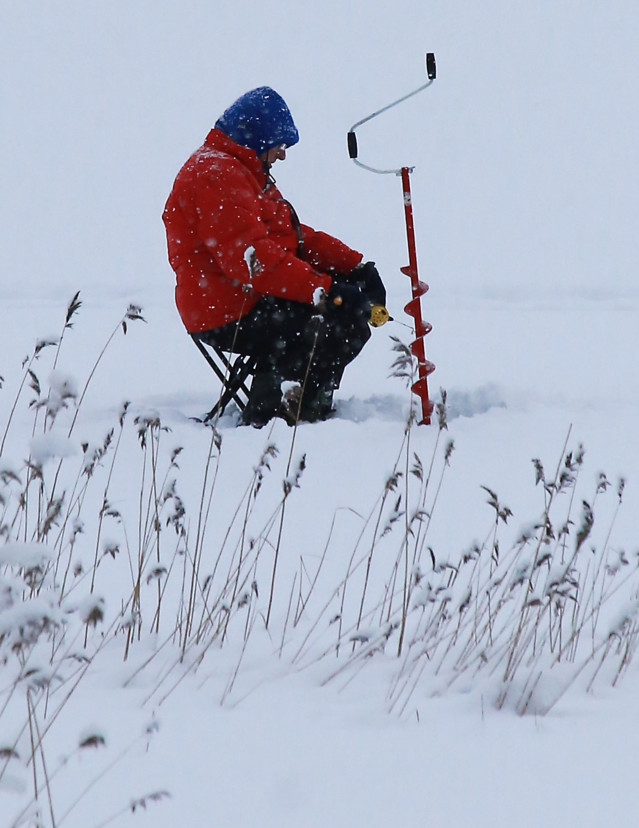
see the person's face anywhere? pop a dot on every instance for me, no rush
(278, 153)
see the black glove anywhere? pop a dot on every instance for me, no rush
(367, 277)
(349, 297)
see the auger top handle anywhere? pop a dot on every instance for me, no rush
(431, 72)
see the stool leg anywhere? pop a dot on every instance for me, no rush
(233, 378)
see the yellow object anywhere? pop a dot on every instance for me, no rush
(379, 316)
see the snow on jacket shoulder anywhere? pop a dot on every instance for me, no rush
(230, 241)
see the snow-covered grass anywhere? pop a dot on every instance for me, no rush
(201, 571)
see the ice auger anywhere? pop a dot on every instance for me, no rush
(418, 288)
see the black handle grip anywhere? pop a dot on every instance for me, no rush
(352, 144)
(431, 67)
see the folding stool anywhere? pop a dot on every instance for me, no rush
(234, 372)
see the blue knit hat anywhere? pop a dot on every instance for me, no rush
(260, 120)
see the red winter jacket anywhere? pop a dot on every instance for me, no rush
(231, 241)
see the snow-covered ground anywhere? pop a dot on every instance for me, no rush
(526, 194)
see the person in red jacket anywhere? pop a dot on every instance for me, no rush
(251, 278)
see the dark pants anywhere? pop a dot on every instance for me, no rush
(293, 342)
(286, 336)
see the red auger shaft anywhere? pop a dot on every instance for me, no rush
(413, 308)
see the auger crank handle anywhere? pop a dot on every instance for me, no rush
(351, 137)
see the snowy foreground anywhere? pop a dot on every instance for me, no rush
(315, 719)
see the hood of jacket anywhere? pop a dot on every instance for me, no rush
(259, 120)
